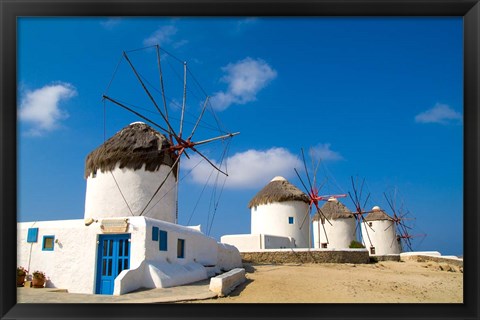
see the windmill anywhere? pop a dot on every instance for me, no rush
(360, 211)
(400, 217)
(179, 143)
(313, 194)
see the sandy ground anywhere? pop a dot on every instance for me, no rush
(388, 281)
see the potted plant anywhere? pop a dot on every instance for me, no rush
(21, 274)
(38, 279)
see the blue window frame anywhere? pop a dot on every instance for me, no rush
(163, 241)
(32, 235)
(181, 248)
(48, 243)
(290, 220)
(154, 233)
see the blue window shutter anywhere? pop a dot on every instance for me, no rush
(154, 233)
(163, 241)
(32, 235)
(290, 220)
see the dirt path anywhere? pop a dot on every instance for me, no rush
(388, 281)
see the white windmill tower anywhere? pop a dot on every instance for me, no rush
(279, 209)
(383, 240)
(340, 232)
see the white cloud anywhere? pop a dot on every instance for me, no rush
(324, 153)
(161, 36)
(41, 107)
(440, 113)
(251, 169)
(110, 23)
(245, 79)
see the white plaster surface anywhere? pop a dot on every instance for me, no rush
(104, 198)
(383, 237)
(252, 242)
(228, 257)
(72, 263)
(225, 283)
(338, 235)
(272, 219)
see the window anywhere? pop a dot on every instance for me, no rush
(163, 241)
(181, 248)
(154, 233)
(94, 173)
(48, 242)
(290, 220)
(32, 235)
(369, 224)
(324, 245)
(372, 250)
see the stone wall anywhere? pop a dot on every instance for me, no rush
(306, 256)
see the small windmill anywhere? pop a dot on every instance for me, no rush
(360, 210)
(179, 142)
(400, 216)
(314, 196)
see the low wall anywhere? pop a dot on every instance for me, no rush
(426, 258)
(279, 256)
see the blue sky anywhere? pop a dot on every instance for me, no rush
(373, 98)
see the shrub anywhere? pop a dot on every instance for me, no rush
(355, 245)
(38, 275)
(21, 271)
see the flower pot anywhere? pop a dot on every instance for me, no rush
(20, 281)
(38, 282)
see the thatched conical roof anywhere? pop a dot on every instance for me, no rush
(132, 147)
(278, 190)
(377, 214)
(332, 210)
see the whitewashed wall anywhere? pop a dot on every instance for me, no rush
(272, 219)
(254, 242)
(72, 263)
(384, 240)
(103, 198)
(339, 234)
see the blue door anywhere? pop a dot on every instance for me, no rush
(113, 257)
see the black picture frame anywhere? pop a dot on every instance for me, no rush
(10, 10)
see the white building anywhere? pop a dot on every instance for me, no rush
(336, 233)
(119, 247)
(280, 218)
(379, 233)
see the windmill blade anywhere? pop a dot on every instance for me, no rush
(390, 204)
(306, 215)
(365, 203)
(393, 222)
(225, 136)
(303, 184)
(356, 202)
(171, 131)
(306, 171)
(366, 231)
(325, 231)
(162, 87)
(211, 163)
(321, 213)
(361, 189)
(199, 118)
(184, 101)
(136, 113)
(161, 184)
